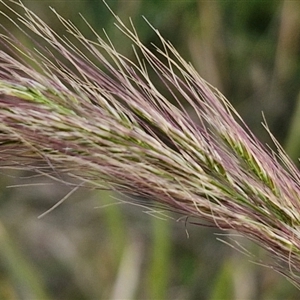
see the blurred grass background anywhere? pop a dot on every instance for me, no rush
(93, 247)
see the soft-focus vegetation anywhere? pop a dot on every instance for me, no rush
(93, 247)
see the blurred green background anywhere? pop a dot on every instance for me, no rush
(93, 247)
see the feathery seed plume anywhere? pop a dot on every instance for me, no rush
(89, 112)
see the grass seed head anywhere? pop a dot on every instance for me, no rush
(86, 110)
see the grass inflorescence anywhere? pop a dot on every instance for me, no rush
(89, 112)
